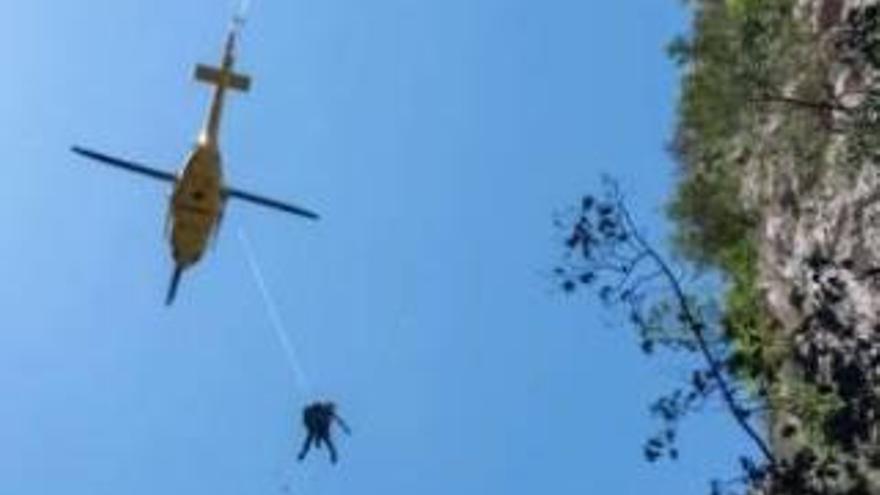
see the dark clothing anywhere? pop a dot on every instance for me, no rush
(316, 440)
(318, 418)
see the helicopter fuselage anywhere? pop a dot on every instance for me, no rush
(197, 201)
(195, 209)
(196, 205)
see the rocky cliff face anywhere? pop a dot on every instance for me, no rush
(807, 175)
(819, 261)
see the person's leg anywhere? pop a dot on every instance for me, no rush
(332, 449)
(305, 448)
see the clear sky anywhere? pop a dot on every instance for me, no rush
(437, 139)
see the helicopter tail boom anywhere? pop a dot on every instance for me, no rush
(172, 287)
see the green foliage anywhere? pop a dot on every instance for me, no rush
(735, 56)
(755, 354)
(811, 406)
(735, 65)
(741, 54)
(709, 215)
(749, 63)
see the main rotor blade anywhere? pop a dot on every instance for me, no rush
(271, 203)
(125, 164)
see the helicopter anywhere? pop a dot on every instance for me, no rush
(199, 194)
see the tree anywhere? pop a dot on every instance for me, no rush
(605, 249)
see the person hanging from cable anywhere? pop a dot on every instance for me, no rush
(318, 419)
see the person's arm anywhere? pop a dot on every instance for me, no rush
(342, 424)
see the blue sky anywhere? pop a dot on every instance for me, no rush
(437, 139)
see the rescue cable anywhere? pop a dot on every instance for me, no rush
(274, 314)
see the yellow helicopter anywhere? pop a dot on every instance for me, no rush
(199, 195)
